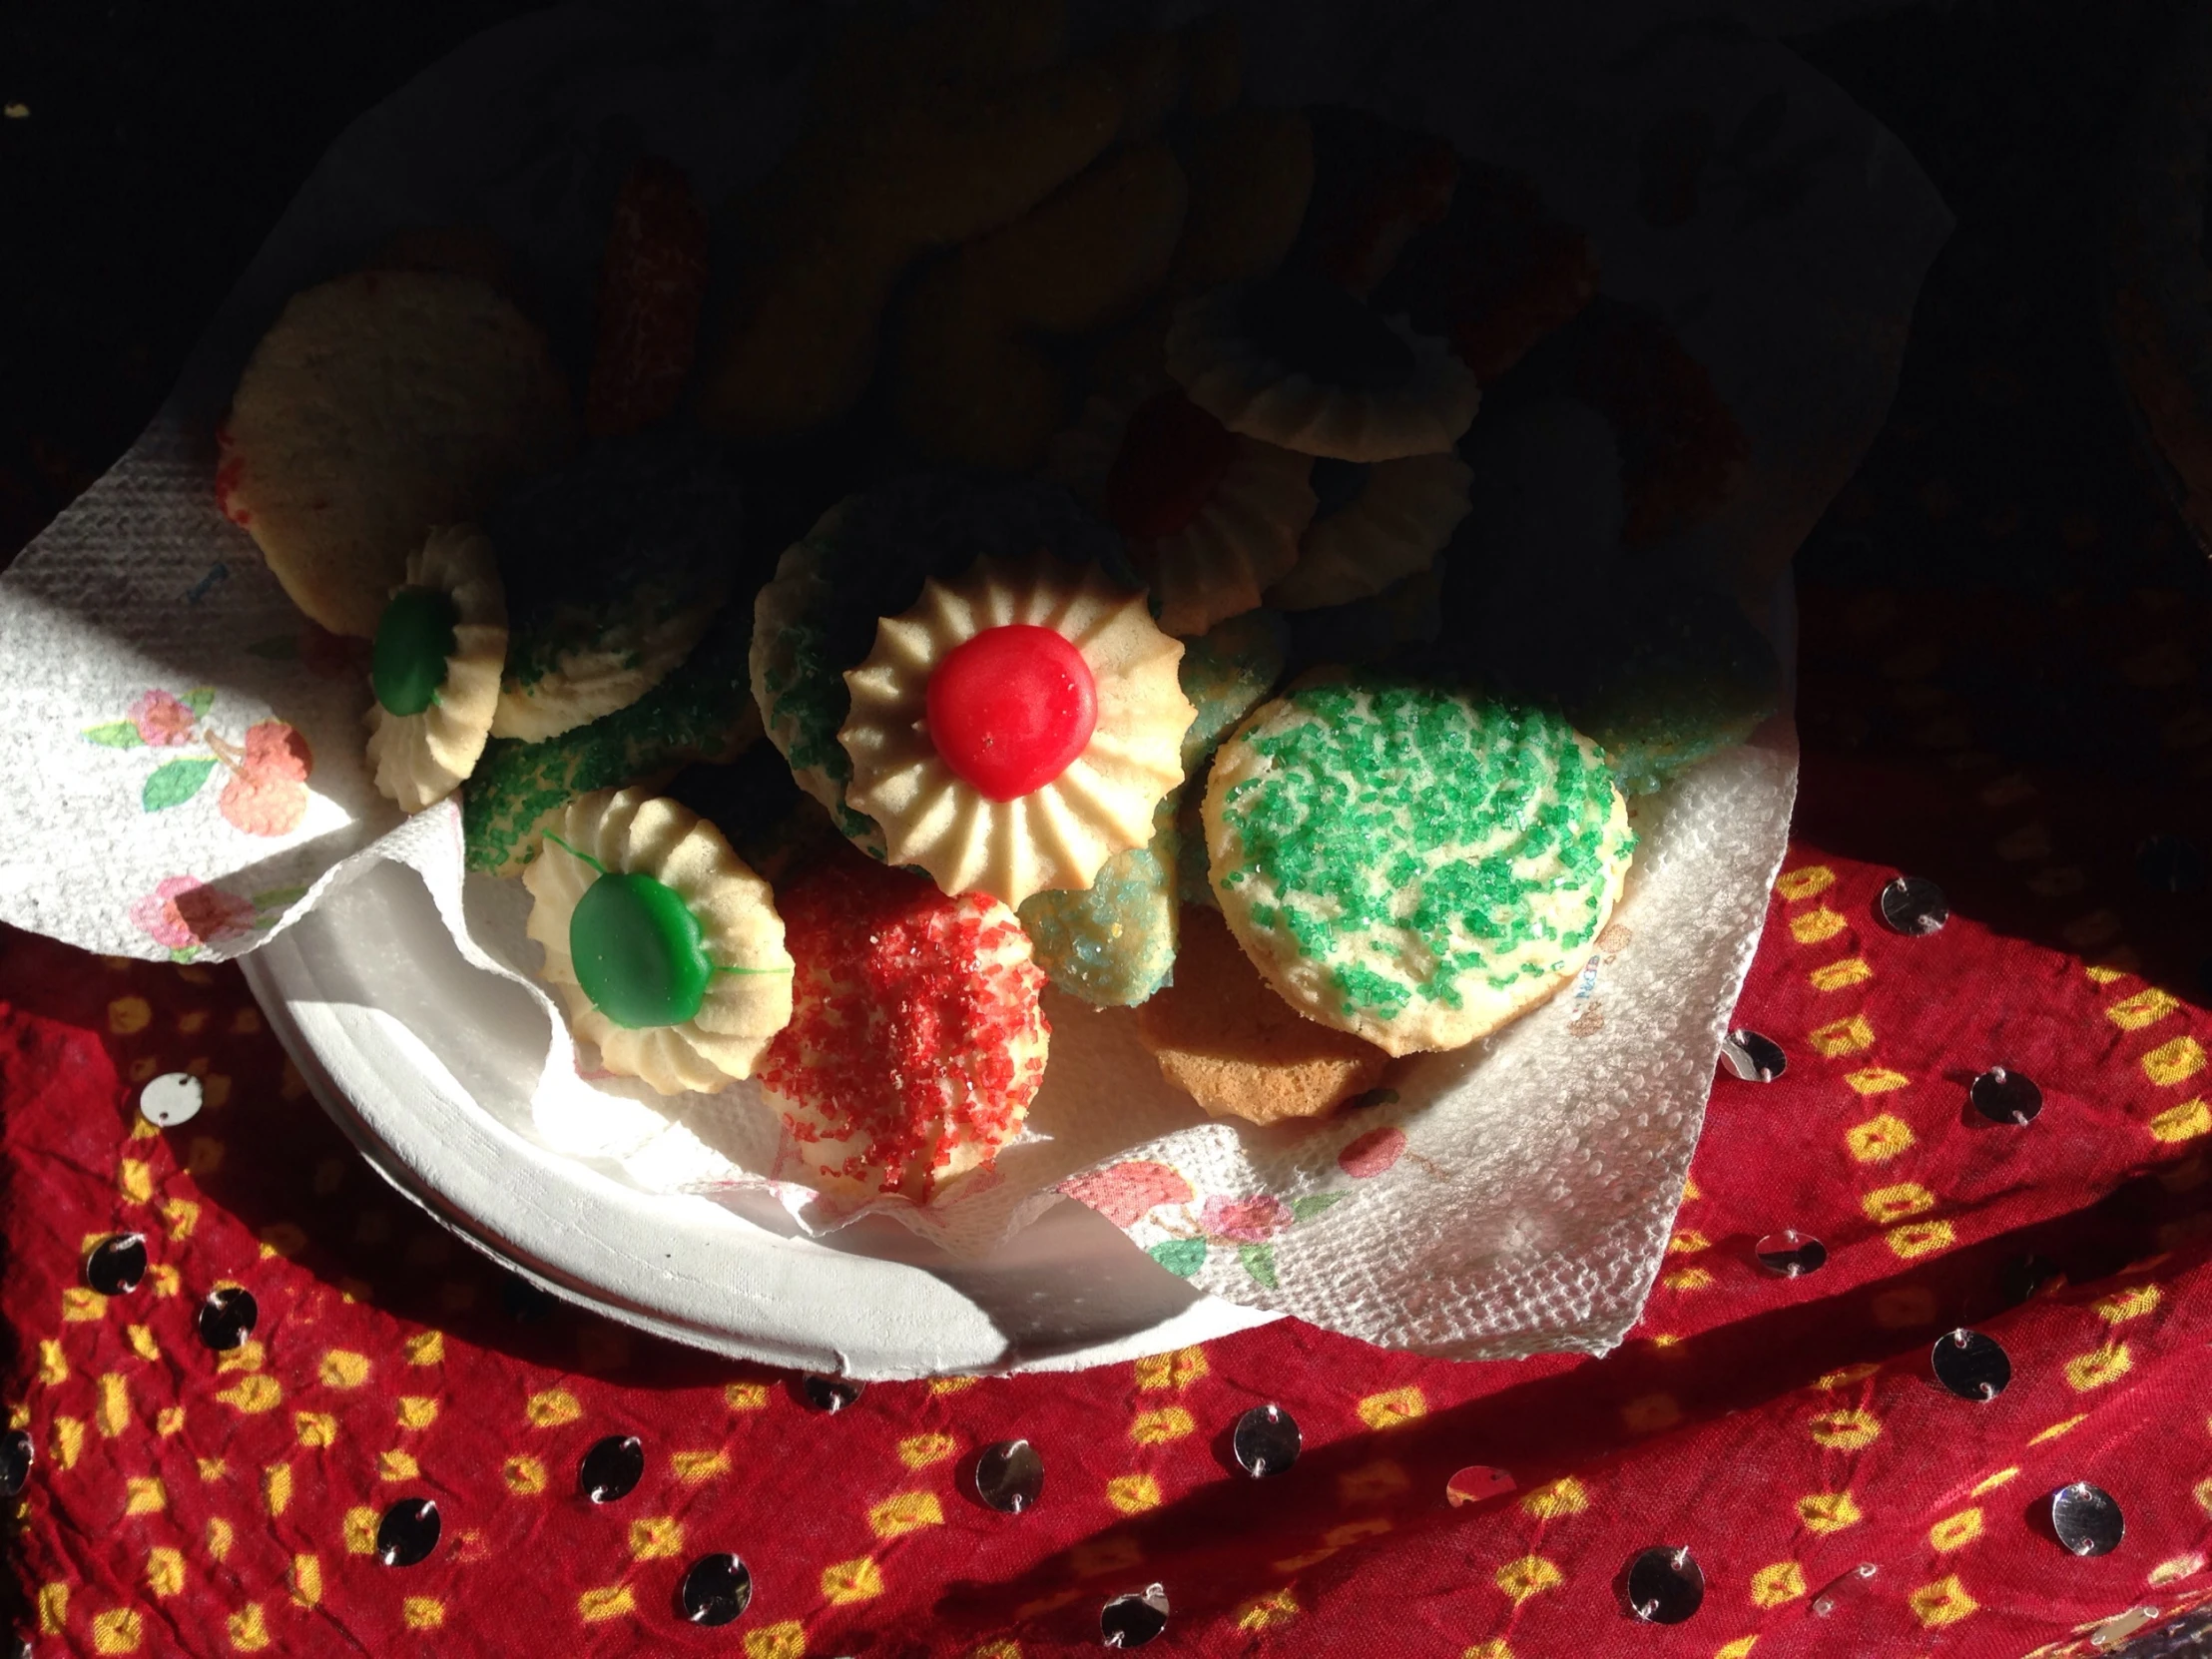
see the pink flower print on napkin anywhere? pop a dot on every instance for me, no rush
(1372, 1153)
(1124, 1191)
(1244, 1220)
(267, 790)
(162, 720)
(183, 912)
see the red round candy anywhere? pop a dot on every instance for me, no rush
(1010, 709)
(1171, 462)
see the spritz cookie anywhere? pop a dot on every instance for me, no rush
(666, 950)
(1411, 863)
(435, 669)
(1016, 727)
(1211, 517)
(1296, 360)
(615, 567)
(1375, 525)
(865, 559)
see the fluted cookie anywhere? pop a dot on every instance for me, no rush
(615, 568)
(1297, 361)
(1210, 517)
(664, 947)
(867, 558)
(435, 669)
(1411, 863)
(377, 406)
(1016, 727)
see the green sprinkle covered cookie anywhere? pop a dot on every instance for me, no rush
(1410, 863)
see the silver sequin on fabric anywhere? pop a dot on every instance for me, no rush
(1009, 1476)
(1134, 1619)
(1754, 1058)
(2087, 1519)
(1663, 1586)
(1267, 1441)
(1914, 904)
(1970, 1365)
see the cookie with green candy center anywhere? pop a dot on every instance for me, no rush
(1412, 863)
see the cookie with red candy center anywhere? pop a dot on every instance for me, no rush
(916, 1040)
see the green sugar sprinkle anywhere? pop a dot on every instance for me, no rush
(1393, 809)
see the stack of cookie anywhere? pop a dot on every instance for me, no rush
(1084, 419)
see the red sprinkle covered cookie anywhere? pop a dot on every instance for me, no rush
(916, 1039)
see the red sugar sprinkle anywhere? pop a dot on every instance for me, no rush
(227, 479)
(907, 1025)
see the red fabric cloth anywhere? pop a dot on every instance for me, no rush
(1784, 1430)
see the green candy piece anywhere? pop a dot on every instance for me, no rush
(640, 953)
(414, 640)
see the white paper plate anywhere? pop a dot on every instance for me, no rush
(424, 1061)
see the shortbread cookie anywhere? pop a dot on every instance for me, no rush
(1016, 727)
(853, 202)
(1251, 172)
(666, 950)
(1211, 517)
(615, 568)
(867, 558)
(1226, 673)
(704, 711)
(652, 288)
(1495, 278)
(1297, 362)
(435, 669)
(917, 1040)
(377, 406)
(1376, 526)
(1410, 863)
(1114, 942)
(1225, 1038)
(970, 383)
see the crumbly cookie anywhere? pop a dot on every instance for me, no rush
(1114, 944)
(615, 568)
(1227, 673)
(665, 948)
(703, 712)
(436, 667)
(1251, 172)
(867, 558)
(1376, 525)
(1016, 727)
(1411, 863)
(1497, 277)
(1211, 517)
(1225, 1038)
(854, 201)
(1299, 362)
(971, 383)
(917, 1040)
(377, 407)
(652, 288)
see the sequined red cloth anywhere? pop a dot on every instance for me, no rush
(1783, 1430)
